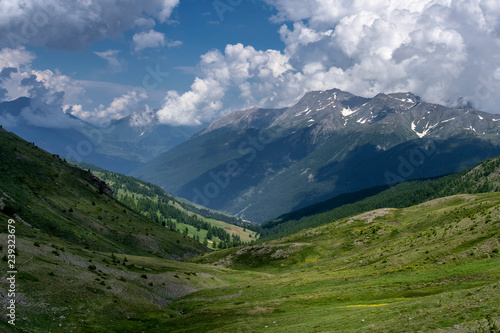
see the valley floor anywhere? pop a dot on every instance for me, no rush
(431, 268)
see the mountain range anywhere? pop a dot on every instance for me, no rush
(121, 145)
(88, 263)
(260, 163)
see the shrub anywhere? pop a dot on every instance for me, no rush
(92, 267)
(144, 276)
(9, 210)
(27, 277)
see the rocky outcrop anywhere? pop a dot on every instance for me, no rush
(100, 185)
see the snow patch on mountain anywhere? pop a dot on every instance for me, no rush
(470, 128)
(347, 112)
(306, 112)
(405, 100)
(445, 121)
(324, 107)
(426, 131)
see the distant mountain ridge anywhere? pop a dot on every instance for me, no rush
(482, 178)
(122, 146)
(333, 110)
(141, 132)
(260, 163)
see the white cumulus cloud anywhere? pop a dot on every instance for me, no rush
(439, 49)
(111, 57)
(253, 73)
(152, 39)
(442, 50)
(48, 90)
(74, 24)
(119, 107)
(24, 81)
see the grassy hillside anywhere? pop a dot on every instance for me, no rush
(139, 186)
(66, 288)
(54, 199)
(212, 228)
(85, 262)
(485, 177)
(424, 268)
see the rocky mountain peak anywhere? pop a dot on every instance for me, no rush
(332, 110)
(143, 118)
(328, 143)
(244, 119)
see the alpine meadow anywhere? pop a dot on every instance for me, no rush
(249, 166)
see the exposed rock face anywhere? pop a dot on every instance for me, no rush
(100, 185)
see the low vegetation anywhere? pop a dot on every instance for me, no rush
(54, 200)
(88, 263)
(214, 229)
(424, 268)
(482, 178)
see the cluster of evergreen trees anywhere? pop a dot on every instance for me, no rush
(163, 211)
(145, 189)
(480, 179)
(153, 202)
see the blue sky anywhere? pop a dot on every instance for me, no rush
(201, 26)
(201, 60)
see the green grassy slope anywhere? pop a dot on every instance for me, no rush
(85, 262)
(65, 288)
(431, 267)
(427, 267)
(178, 214)
(138, 186)
(485, 177)
(57, 200)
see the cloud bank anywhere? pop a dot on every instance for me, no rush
(150, 39)
(238, 66)
(72, 25)
(75, 24)
(48, 91)
(53, 94)
(442, 50)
